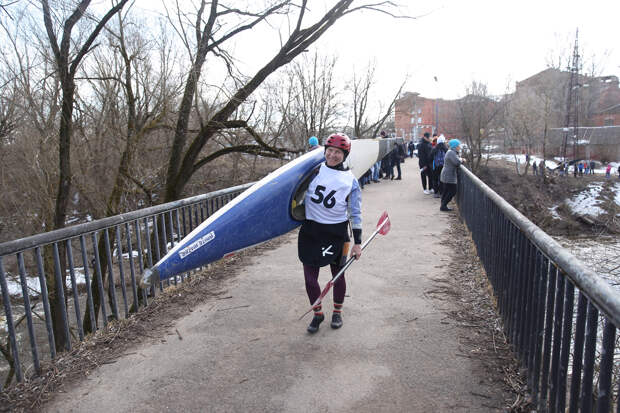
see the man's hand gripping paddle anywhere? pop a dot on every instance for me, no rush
(383, 227)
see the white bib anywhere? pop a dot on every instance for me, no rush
(326, 197)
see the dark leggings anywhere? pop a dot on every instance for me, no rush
(426, 176)
(437, 184)
(449, 190)
(311, 274)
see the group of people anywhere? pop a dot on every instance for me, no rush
(438, 163)
(384, 169)
(538, 169)
(579, 168)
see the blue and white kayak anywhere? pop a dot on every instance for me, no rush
(269, 208)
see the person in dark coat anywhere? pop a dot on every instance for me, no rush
(425, 161)
(397, 155)
(386, 163)
(411, 148)
(438, 154)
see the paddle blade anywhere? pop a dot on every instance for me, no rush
(384, 224)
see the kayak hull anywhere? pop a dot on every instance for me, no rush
(260, 213)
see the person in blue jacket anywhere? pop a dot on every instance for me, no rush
(333, 197)
(313, 142)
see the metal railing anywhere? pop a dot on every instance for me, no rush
(73, 257)
(536, 284)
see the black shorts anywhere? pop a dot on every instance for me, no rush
(321, 244)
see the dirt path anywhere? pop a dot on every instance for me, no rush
(397, 351)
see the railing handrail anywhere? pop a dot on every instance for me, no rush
(604, 297)
(14, 246)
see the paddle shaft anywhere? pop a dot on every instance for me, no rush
(364, 245)
(348, 263)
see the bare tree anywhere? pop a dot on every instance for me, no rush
(522, 115)
(315, 96)
(185, 158)
(132, 100)
(360, 88)
(31, 90)
(68, 55)
(478, 111)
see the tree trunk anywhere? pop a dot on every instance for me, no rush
(57, 304)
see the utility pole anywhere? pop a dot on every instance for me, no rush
(572, 102)
(437, 106)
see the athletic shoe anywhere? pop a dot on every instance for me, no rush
(437, 195)
(398, 179)
(427, 192)
(336, 320)
(314, 325)
(445, 209)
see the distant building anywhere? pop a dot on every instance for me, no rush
(601, 143)
(598, 135)
(415, 115)
(599, 97)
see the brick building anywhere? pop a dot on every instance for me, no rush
(598, 135)
(599, 97)
(414, 115)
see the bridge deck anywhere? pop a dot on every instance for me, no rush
(397, 350)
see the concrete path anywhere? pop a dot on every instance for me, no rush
(397, 350)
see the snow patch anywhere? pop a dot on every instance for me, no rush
(616, 190)
(586, 202)
(15, 286)
(521, 159)
(554, 212)
(598, 255)
(34, 287)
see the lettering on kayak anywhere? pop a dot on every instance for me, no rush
(196, 244)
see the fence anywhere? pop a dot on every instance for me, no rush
(136, 239)
(536, 284)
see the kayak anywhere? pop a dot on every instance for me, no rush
(271, 207)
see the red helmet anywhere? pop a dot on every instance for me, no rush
(340, 141)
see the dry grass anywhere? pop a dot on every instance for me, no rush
(482, 337)
(119, 338)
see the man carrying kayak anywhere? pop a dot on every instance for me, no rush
(333, 194)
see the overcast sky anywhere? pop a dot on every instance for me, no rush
(457, 41)
(498, 42)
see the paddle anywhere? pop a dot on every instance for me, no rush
(383, 227)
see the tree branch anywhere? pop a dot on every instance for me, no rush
(249, 149)
(93, 35)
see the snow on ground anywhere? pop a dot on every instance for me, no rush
(586, 203)
(521, 159)
(616, 190)
(599, 256)
(15, 286)
(553, 163)
(554, 212)
(34, 287)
